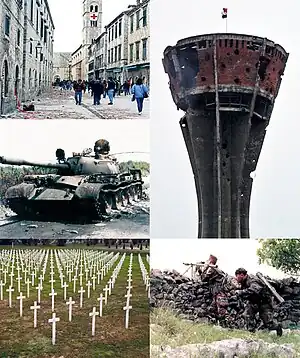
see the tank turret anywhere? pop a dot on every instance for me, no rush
(84, 184)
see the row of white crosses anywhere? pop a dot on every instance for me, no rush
(127, 307)
(36, 261)
(107, 290)
(145, 274)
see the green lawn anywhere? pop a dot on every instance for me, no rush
(74, 339)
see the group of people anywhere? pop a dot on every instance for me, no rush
(248, 287)
(110, 88)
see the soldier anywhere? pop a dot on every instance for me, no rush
(207, 271)
(259, 301)
(101, 147)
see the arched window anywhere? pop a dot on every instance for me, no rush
(30, 78)
(91, 8)
(35, 78)
(96, 8)
(6, 81)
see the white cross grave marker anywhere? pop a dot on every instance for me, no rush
(35, 307)
(105, 291)
(10, 291)
(21, 303)
(93, 315)
(52, 294)
(100, 299)
(81, 291)
(53, 320)
(2, 284)
(126, 309)
(70, 303)
(89, 288)
(64, 286)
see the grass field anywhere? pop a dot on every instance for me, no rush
(74, 339)
(169, 330)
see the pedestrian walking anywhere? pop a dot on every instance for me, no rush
(104, 88)
(139, 92)
(111, 86)
(78, 88)
(97, 89)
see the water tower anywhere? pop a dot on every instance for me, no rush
(227, 85)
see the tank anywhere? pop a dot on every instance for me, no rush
(84, 185)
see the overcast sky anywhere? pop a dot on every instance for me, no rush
(231, 254)
(275, 204)
(38, 140)
(67, 18)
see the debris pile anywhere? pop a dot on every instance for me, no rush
(194, 300)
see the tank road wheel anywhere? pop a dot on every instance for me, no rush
(120, 199)
(108, 203)
(137, 189)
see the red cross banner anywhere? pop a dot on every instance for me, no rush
(94, 16)
(224, 13)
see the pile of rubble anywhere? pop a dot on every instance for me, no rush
(193, 299)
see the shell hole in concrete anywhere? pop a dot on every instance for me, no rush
(224, 145)
(203, 79)
(271, 90)
(224, 164)
(267, 89)
(237, 52)
(228, 180)
(223, 65)
(237, 81)
(227, 155)
(228, 53)
(247, 69)
(274, 69)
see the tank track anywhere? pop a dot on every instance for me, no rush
(116, 199)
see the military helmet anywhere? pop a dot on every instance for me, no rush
(102, 146)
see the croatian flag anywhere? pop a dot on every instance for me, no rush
(224, 13)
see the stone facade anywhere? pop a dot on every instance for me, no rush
(62, 66)
(117, 47)
(25, 69)
(38, 46)
(122, 51)
(139, 41)
(77, 64)
(11, 52)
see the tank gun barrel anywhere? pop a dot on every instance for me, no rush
(12, 161)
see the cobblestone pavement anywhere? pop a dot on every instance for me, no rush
(61, 105)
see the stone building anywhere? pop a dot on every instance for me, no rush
(38, 45)
(77, 65)
(62, 66)
(26, 51)
(122, 51)
(139, 41)
(11, 53)
(117, 47)
(98, 58)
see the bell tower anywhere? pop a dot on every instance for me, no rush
(92, 28)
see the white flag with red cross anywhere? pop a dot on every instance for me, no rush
(93, 16)
(224, 13)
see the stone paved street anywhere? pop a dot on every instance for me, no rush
(61, 105)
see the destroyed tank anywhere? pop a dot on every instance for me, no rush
(84, 185)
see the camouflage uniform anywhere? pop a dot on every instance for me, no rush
(212, 274)
(259, 301)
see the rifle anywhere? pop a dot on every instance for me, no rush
(271, 288)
